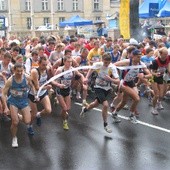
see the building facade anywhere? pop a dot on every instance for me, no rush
(25, 15)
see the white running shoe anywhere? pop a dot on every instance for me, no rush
(85, 104)
(108, 129)
(133, 119)
(82, 113)
(14, 142)
(154, 111)
(126, 107)
(115, 118)
(159, 106)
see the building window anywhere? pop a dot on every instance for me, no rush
(113, 2)
(60, 5)
(44, 5)
(75, 5)
(96, 5)
(2, 4)
(28, 23)
(98, 18)
(27, 5)
(46, 21)
(61, 19)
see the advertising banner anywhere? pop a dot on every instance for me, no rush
(153, 9)
(124, 18)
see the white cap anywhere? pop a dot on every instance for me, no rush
(132, 41)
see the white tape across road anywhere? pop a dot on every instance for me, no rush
(139, 122)
(61, 74)
(98, 66)
(95, 66)
(130, 67)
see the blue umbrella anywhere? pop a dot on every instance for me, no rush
(75, 21)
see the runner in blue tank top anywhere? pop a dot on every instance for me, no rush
(17, 86)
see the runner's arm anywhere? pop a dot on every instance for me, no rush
(5, 93)
(30, 83)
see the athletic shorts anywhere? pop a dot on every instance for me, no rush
(32, 98)
(18, 103)
(63, 92)
(130, 84)
(158, 80)
(101, 94)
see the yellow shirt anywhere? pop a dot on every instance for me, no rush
(94, 56)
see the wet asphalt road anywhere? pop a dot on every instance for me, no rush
(86, 146)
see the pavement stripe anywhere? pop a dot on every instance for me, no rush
(139, 122)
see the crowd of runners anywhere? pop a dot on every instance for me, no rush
(125, 70)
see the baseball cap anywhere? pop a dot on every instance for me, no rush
(136, 52)
(132, 41)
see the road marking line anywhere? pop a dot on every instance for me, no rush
(139, 122)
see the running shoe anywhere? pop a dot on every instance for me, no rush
(65, 125)
(126, 107)
(154, 111)
(133, 119)
(30, 131)
(159, 106)
(38, 120)
(82, 113)
(115, 118)
(85, 104)
(108, 129)
(14, 142)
